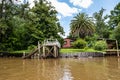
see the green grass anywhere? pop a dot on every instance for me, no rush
(68, 50)
(78, 50)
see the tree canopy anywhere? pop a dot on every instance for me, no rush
(115, 16)
(21, 26)
(100, 25)
(82, 26)
(102, 29)
(114, 22)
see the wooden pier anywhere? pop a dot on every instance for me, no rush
(49, 48)
(112, 47)
(112, 52)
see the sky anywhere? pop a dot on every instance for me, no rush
(67, 9)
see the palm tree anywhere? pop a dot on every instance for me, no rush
(82, 26)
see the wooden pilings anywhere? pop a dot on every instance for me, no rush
(43, 51)
(50, 51)
(55, 51)
(117, 48)
(50, 48)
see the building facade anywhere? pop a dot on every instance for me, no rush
(67, 43)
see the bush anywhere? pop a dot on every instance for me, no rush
(31, 47)
(100, 45)
(80, 43)
(91, 40)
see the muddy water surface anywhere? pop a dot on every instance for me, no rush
(60, 69)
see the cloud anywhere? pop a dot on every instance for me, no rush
(81, 3)
(59, 16)
(31, 2)
(63, 8)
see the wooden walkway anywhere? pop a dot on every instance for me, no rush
(113, 52)
(50, 48)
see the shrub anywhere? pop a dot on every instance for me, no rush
(80, 43)
(31, 47)
(91, 40)
(100, 45)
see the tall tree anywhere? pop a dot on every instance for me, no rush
(114, 22)
(115, 16)
(5, 18)
(102, 29)
(116, 33)
(82, 26)
(21, 26)
(45, 20)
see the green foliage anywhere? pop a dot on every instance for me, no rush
(81, 26)
(91, 40)
(31, 47)
(116, 33)
(102, 29)
(77, 50)
(115, 16)
(114, 22)
(21, 26)
(80, 43)
(100, 45)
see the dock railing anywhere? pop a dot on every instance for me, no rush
(50, 42)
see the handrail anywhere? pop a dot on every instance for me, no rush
(51, 42)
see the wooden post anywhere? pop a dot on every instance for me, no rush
(117, 48)
(43, 51)
(38, 49)
(23, 54)
(55, 51)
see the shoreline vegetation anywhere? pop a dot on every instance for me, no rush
(72, 50)
(62, 51)
(22, 27)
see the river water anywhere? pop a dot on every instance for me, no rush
(60, 69)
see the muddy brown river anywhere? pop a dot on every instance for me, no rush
(60, 69)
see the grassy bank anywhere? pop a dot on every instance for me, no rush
(78, 50)
(68, 50)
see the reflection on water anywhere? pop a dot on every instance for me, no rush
(60, 69)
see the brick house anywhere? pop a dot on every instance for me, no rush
(67, 43)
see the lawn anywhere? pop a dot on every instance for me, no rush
(67, 50)
(77, 50)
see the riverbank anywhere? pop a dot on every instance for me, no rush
(82, 54)
(8, 54)
(64, 53)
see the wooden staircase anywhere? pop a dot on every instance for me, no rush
(50, 48)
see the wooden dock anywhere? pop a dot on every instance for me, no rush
(49, 48)
(112, 47)
(112, 52)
